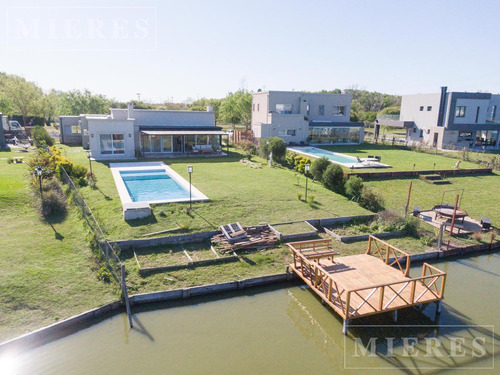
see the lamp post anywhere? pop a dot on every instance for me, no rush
(190, 170)
(39, 172)
(89, 156)
(307, 167)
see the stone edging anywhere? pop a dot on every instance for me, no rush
(361, 237)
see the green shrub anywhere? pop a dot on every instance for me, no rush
(53, 203)
(41, 137)
(248, 148)
(78, 171)
(276, 145)
(371, 200)
(92, 179)
(333, 178)
(104, 274)
(318, 167)
(310, 199)
(354, 187)
(299, 195)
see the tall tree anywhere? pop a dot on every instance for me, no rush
(48, 106)
(76, 102)
(24, 96)
(236, 108)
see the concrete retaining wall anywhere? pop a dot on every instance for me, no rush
(361, 237)
(167, 240)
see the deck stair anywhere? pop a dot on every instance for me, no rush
(435, 179)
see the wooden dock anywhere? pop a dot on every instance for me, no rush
(356, 286)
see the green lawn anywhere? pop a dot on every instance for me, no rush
(479, 199)
(46, 269)
(237, 192)
(399, 158)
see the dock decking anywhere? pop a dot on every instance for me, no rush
(361, 285)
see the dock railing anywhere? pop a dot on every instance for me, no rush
(380, 298)
(385, 251)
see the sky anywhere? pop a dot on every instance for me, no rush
(175, 50)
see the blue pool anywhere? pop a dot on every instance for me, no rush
(152, 185)
(333, 156)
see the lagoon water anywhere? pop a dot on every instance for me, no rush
(282, 330)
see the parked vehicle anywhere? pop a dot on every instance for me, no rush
(11, 125)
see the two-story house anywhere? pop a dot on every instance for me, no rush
(446, 119)
(302, 117)
(128, 132)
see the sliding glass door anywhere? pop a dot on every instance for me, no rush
(156, 143)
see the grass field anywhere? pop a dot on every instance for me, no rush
(479, 199)
(237, 192)
(46, 269)
(399, 158)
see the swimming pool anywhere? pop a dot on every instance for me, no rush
(338, 158)
(152, 182)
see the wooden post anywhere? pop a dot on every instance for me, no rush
(125, 296)
(381, 298)
(440, 238)
(408, 199)
(454, 214)
(347, 302)
(412, 293)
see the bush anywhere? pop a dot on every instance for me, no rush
(299, 195)
(310, 199)
(41, 137)
(276, 145)
(248, 148)
(354, 187)
(371, 200)
(53, 203)
(333, 178)
(92, 179)
(104, 274)
(318, 167)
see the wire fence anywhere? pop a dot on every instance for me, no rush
(113, 262)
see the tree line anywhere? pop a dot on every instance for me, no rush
(21, 97)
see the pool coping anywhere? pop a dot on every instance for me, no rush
(116, 168)
(346, 165)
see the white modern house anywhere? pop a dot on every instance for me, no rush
(302, 117)
(126, 133)
(449, 119)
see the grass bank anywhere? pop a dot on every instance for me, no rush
(46, 269)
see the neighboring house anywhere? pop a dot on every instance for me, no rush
(449, 119)
(301, 117)
(127, 133)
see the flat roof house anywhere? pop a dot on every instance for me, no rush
(127, 133)
(449, 119)
(302, 117)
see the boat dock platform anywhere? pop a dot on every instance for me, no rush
(376, 282)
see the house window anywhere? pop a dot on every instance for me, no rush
(477, 114)
(429, 108)
(284, 109)
(258, 107)
(421, 133)
(421, 108)
(290, 132)
(112, 144)
(492, 111)
(460, 112)
(321, 110)
(338, 110)
(308, 110)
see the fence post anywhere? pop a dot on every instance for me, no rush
(125, 296)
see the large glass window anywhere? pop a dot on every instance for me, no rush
(460, 111)
(334, 134)
(338, 110)
(155, 143)
(492, 111)
(166, 143)
(284, 109)
(112, 144)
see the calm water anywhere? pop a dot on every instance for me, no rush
(333, 156)
(152, 185)
(276, 331)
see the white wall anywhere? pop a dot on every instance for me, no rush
(109, 126)
(470, 111)
(147, 117)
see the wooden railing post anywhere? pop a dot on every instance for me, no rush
(368, 251)
(381, 298)
(412, 293)
(443, 281)
(315, 277)
(347, 302)
(330, 282)
(386, 254)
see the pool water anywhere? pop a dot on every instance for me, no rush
(333, 156)
(152, 185)
(279, 331)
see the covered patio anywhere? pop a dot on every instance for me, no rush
(177, 143)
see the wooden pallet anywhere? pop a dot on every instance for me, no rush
(257, 237)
